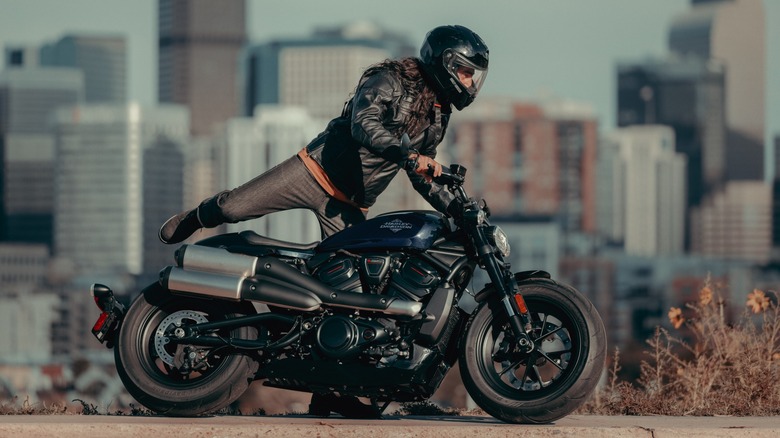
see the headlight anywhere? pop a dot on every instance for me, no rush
(498, 238)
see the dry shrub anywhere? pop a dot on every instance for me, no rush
(28, 408)
(709, 367)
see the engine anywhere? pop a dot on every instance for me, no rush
(391, 274)
(343, 336)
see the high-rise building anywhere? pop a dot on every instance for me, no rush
(199, 48)
(318, 73)
(112, 179)
(530, 159)
(163, 195)
(732, 32)
(735, 223)
(255, 145)
(687, 95)
(644, 203)
(28, 97)
(103, 59)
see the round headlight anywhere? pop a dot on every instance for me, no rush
(499, 240)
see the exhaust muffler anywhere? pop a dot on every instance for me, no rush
(227, 287)
(216, 260)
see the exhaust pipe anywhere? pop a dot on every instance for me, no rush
(224, 275)
(227, 287)
(216, 260)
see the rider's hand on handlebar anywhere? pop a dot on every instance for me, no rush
(426, 166)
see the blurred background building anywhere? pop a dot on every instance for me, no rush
(102, 59)
(198, 46)
(643, 206)
(27, 96)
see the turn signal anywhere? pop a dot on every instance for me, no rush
(521, 304)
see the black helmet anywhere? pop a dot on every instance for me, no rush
(445, 50)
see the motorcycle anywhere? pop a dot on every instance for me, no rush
(380, 310)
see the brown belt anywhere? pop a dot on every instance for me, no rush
(324, 181)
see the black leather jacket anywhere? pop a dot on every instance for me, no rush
(361, 155)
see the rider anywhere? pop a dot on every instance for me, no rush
(341, 172)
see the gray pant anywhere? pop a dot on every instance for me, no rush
(287, 186)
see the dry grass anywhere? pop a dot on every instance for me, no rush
(14, 407)
(708, 366)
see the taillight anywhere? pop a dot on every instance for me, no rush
(97, 329)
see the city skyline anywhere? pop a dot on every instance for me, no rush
(541, 44)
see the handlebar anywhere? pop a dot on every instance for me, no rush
(452, 176)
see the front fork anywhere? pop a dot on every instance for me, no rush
(506, 288)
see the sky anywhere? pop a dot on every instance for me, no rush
(538, 48)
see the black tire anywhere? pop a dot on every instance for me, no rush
(566, 364)
(157, 385)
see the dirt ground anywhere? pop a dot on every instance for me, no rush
(423, 427)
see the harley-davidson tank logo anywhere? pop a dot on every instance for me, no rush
(396, 225)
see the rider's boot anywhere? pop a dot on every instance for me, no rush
(181, 226)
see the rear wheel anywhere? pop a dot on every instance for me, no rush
(177, 379)
(552, 380)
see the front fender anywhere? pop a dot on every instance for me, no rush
(520, 277)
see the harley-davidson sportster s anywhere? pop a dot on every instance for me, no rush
(380, 310)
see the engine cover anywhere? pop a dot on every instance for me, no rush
(414, 280)
(341, 273)
(340, 336)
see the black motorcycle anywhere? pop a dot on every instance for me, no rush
(380, 310)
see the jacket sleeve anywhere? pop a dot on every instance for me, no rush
(372, 100)
(436, 195)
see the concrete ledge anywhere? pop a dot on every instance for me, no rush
(449, 427)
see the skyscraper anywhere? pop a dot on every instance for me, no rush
(318, 73)
(732, 32)
(645, 200)
(104, 194)
(28, 95)
(103, 59)
(199, 46)
(687, 95)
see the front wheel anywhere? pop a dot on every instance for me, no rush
(551, 381)
(176, 379)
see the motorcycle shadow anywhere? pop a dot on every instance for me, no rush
(447, 418)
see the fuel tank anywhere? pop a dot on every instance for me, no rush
(392, 231)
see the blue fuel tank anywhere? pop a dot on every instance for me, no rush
(393, 231)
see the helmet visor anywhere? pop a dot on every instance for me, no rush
(470, 75)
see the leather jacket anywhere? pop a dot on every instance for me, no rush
(359, 151)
